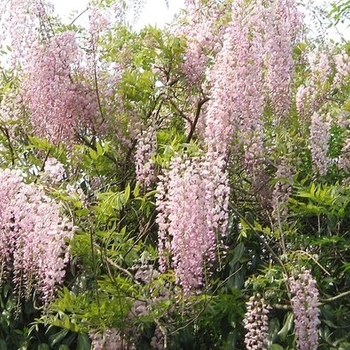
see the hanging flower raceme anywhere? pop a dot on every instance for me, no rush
(319, 138)
(33, 237)
(282, 190)
(256, 323)
(21, 21)
(282, 24)
(311, 94)
(192, 211)
(305, 309)
(58, 105)
(255, 62)
(344, 159)
(328, 72)
(202, 38)
(146, 148)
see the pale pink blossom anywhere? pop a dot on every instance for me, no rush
(237, 95)
(54, 170)
(109, 339)
(59, 106)
(201, 33)
(22, 23)
(255, 62)
(312, 93)
(319, 138)
(305, 309)
(33, 237)
(256, 323)
(145, 149)
(328, 70)
(282, 189)
(191, 205)
(342, 66)
(282, 28)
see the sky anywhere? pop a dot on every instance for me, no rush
(154, 12)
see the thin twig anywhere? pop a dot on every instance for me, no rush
(80, 14)
(339, 296)
(5, 131)
(315, 261)
(196, 118)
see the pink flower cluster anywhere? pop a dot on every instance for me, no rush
(344, 159)
(329, 70)
(68, 90)
(33, 237)
(157, 341)
(99, 20)
(319, 138)
(282, 27)
(310, 94)
(21, 21)
(256, 323)
(251, 66)
(10, 110)
(342, 67)
(192, 211)
(237, 95)
(282, 190)
(146, 148)
(54, 170)
(195, 62)
(305, 309)
(201, 34)
(59, 106)
(219, 116)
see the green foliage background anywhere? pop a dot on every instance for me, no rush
(116, 230)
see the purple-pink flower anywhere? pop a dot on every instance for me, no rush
(33, 237)
(192, 212)
(146, 148)
(60, 106)
(319, 138)
(256, 323)
(305, 309)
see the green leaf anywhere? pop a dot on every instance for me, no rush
(57, 337)
(39, 143)
(66, 322)
(99, 149)
(63, 347)
(82, 212)
(276, 347)
(83, 342)
(3, 345)
(43, 346)
(237, 255)
(288, 324)
(127, 192)
(93, 154)
(137, 189)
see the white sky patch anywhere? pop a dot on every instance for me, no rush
(64, 8)
(155, 12)
(318, 23)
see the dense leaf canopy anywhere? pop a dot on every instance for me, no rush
(176, 188)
